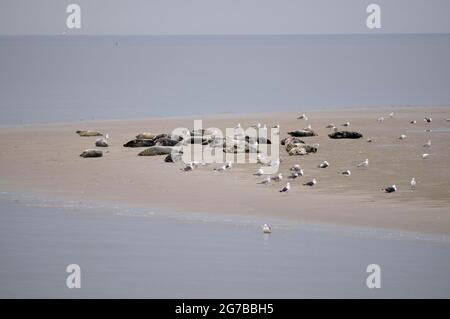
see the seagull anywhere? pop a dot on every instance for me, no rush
(266, 181)
(413, 183)
(428, 119)
(413, 122)
(309, 127)
(331, 125)
(295, 168)
(346, 173)
(260, 159)
(346, 124)
(238, 126)
(390, 189)
(266, 229)
(276, 126)
(259, 172)
(427, 144)
(391, 114)
(311, 183)
(294, 175)
(189, 167)
(380, 119)
(303, 117)
(286, 188)
(402, 137)
(221, 169)
(324, 164)
(364, 164)
(369, 140)
(424, 156)
(228, 165)
(278, 178)
(275, 163)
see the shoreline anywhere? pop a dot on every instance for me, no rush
(44, 159)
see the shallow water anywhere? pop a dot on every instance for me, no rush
(147, 255)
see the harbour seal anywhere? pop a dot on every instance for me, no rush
(145, 136)
(139, 143)
(302, 133)
(89, 133)
(345, 134)
(92, 153)
(156, 150)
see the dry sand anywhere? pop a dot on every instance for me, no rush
(45, 159)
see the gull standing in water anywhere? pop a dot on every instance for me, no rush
(266, 229)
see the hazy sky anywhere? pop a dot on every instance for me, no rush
(70, 78)
(152, 17)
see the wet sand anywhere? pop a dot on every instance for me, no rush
(44, 159)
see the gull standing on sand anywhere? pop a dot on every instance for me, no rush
(428, 119)
(402, 137)
(390, 189)
(425, 155)
(413, 122)
(346, 124)
(311, 183)
(324, 164)
(278, 178)
(303, 117)
(427, 144)
(286, 188)
(413, 183)
(331, 125)
(309, 127)
(365, 163)
(189, 167)
(346, 173)
(266, 229)
(221, 169)
(238, 126)
(266, 181)
(294, 175)
(228, 165)
(391, 114)
(259, 172)
(380, 119)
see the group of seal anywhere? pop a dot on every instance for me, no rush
(101, 142)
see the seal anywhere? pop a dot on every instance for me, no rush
(92, 153)
(139, 143)
(145, 136)
(101, 142)
(156, 150)
(89, 133)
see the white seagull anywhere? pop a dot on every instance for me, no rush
(228, 165)
(391, 114)
(311, 183)
(346, 173)
(294, 175)
(266, 181)
(346, 124)
(221, 169)
(365, 163)
(402, 137)
(424, 156)
(266, 229)
(259, 172)
(286, 188)
(278, 178)
(427, 144)
(324, 164)
(380, 119)
(413, 183)
(428, 119)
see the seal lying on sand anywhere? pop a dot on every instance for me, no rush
(139, 143)
(302, 133)
(92, 153)
(145, 136)
(89, 133)
(156, 150)
(345, 134)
